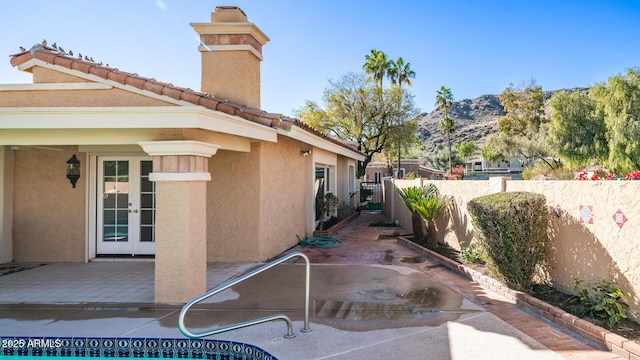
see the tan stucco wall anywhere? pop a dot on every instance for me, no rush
(180, 271)
(80, 98)
(591, 252)
(255, 201)
(49, 215)
(44, 75)
(233, 75)
(72, 97)
(454, 227)
(6, 204)
(282, 197)
(598, 251)
(233, 197)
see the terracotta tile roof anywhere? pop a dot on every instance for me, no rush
(56, 56)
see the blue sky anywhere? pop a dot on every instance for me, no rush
(474, 47)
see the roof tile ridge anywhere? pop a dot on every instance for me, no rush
(274, 120)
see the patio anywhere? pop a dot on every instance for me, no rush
(115, 299)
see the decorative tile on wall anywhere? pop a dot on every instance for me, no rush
(586, 214)
(558, 210)
(619, 218)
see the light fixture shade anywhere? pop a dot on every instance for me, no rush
(73, 170)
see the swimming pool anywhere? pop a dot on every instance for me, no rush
(23, 348)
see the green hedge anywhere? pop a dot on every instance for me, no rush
(512, 229)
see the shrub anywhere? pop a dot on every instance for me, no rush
(604, 300)
(540, 169)
(345, 210)
(512, 230)
(471, 255)
(410, 176)
(326, 205)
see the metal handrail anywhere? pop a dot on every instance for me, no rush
(229, 284)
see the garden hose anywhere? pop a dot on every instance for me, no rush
(324, 242)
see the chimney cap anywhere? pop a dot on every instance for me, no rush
(228, 14)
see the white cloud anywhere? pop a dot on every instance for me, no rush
(161, 4)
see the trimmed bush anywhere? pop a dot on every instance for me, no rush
(512, 229)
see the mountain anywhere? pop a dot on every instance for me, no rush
(475, 120)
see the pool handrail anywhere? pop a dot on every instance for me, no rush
(229, 284)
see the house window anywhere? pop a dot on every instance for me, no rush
(378, 176)
(325, 181)
(352, 179)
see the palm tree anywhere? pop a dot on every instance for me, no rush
(377, 66)
(400, 73)
(444, 100)
(426, 204)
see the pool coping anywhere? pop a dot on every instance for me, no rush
(599, 335)
(139, 348)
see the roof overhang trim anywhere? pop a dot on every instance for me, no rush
(317, 141)
(169, 117)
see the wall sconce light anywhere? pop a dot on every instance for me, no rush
(305, 153)
(73, 170)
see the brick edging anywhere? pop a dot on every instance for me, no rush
(616, 343)
(335, 228)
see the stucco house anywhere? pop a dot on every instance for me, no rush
(378, 170)
(187, 176)
(479, 168)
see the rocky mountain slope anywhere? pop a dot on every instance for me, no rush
(475, 119)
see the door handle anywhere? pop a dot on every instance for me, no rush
(135, 211)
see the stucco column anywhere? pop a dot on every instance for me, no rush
(6, 205)
(498, 184)
(180, 171)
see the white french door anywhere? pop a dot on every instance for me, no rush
(125, 206)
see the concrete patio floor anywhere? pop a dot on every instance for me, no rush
(370, 298)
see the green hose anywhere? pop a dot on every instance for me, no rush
(324, 242)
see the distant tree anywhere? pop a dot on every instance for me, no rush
(401, 140)
(444, 100)
(577, 131)
(618, 101)
(359, 112)
(524, 128)
(376, 66)
(440, 158)
(466, 149)
(400, 73)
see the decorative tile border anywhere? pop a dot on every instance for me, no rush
(130, 348)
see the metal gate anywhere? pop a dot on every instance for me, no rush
(370, 196)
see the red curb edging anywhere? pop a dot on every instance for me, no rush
(599, 335)
(334, 229)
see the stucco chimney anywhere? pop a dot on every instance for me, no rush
(231, 49)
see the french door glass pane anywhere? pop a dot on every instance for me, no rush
(147, 203)
(115, 200)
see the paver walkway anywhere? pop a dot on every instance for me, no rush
(361, 245)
